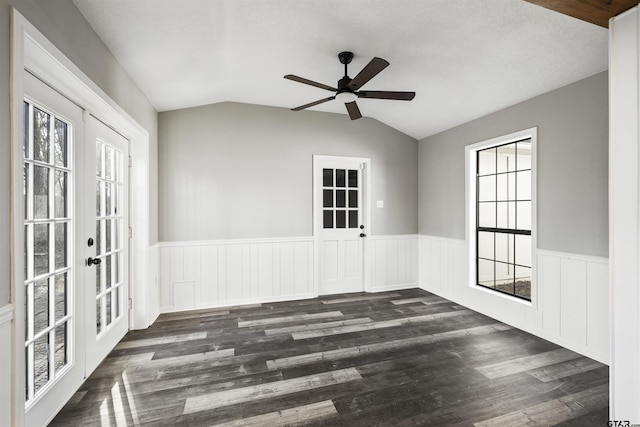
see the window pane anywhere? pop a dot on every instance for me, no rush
(523, 282)
(61, 347)
(485, 272)
(60, 143)
(40, 249)
(353, 178)
(41, 362)
(41, 135)
(327, 177)
(353, 198)
(27, 261)
(340, 178)
(504, 277)
(485, 245)
(524, 185)
(40, 192)
(116, 268)
(108, 161)
(341, 219)
(353, 219)
(523, 250)
(61, 245)
(523, 220)
(99, 280)
(107, 236)
(506, 186)
(506, 158)
(116, 300)
(524, 155)
(327, 219)
(487, 161)
(98, 315)
(487, 188)
(487, 214)
(506, 215)
(25, 189)
(40, 305)
(108, 309)
(99, 237)
(99, 162)
(99, 186)
(107, 270)
(341, 196)
(61, 296)
(504, 247)
(25, 140)
(107, 199)
(60, 194)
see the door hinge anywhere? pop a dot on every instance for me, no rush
(130, 161)
(363, 165)
(130, 232)
(130, 303)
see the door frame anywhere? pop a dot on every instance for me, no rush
(32, 51)
(317, 219)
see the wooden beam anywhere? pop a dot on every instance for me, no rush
(597, 12)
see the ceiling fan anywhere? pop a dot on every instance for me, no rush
(348, 88)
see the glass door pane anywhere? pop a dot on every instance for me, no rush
(47, 225)
(109, 237)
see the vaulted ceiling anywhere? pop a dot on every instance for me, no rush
(463, 58)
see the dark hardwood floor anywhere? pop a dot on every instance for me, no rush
(402, 358)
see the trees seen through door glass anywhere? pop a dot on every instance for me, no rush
(47, 237)
(340, 195)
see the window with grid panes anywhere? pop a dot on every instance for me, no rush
(503, 218)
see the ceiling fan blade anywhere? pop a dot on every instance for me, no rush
(353, 110)
(309, 82)
(302, 107)
(368, 72)
(381, 94)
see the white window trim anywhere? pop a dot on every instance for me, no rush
(470, 211)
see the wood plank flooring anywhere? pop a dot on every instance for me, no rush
(402, 358)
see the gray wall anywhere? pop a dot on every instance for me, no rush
(572, 167)
(65, 27)
(244, 171)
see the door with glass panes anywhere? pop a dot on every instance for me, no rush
(75, 277)
(340, 224)
(106, 278)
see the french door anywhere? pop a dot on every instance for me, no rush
(107, 255)
(340, 223)
(62, 215)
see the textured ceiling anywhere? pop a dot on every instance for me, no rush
(463, 58)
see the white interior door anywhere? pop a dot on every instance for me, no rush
(53, 187)
(340, 223)
(107, 241)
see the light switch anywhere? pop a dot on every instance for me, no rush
(380, 204)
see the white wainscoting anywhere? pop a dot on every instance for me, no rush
(6, 364)
(572, 305)
(218, 273)
(394, 262)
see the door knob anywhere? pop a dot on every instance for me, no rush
(363, 235)
(95, 261)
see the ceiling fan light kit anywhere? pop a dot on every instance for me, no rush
(348, 89)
